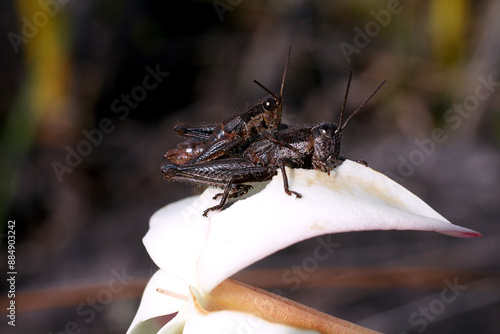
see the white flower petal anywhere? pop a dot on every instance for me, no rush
(352, 198)
(204, 252)
(176, 325)
(155, 304)
(176, 236)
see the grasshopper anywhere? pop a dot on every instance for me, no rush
(221, 140)
(312, 147)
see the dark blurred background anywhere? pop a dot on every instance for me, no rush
(90, 92)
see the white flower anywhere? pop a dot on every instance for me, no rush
(232, 307)
(200, 253)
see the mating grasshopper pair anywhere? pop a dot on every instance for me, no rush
(252, 146)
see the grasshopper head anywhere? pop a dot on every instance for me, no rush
(272, 112)
(326, 146)
(272, 105)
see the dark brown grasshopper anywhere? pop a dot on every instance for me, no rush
(222, 140)
(316, 147)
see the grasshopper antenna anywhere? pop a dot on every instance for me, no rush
(266, 89)
(282, 81)
(286, 69)
(341, 127)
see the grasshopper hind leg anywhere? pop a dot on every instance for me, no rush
(236, 192)
(230, 191)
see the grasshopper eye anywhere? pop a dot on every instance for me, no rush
(324, 129)
(269, 104)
